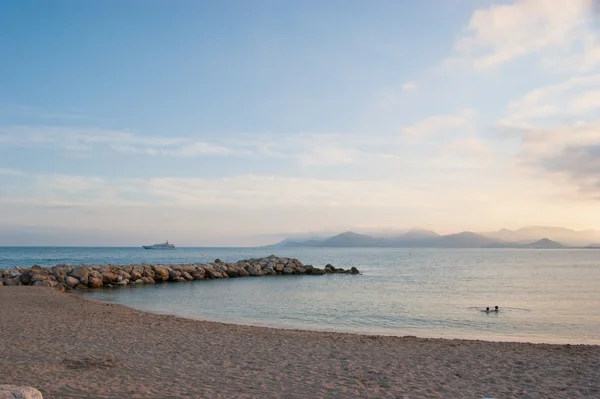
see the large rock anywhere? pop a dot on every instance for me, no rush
(109, 277)
(19, 392)
(25, 277)
(288, 270)
(71, 281)
(161, 274)
(354, 270)
(187, 276)
(80, 272)
(174, 275)
(136, 275)
(95, 281)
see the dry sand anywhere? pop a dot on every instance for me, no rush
(69, 347)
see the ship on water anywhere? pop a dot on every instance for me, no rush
(165, 245)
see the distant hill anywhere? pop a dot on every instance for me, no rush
(465, 239)
(545, 243)
(422, 238)
(529, 234)
(411, 239)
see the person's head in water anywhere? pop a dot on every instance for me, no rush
(487, 309)
(496, 308)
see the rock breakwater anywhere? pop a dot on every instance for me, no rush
(108, 276)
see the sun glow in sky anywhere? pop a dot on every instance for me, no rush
(237, 123)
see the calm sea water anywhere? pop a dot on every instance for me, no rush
(544, 296)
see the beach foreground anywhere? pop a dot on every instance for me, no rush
(69, 347)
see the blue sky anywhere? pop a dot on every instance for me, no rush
(236, 123)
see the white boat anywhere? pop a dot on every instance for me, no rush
(165, 245)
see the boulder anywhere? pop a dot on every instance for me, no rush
(161, 274)
(354, 270)
(80, 272)
(279, 267)
(243, 273)
(300, 269)
(148, 273)
(71, 281)
(254, 272)
(8, 281)
(25, 277)
(95, 281)
(174, 275)
(288, 270)
(189, 269)
(187, 276)
(19, 392)
(1, 283)
(39, 276)
(197, 275)
(148, 280)
(136, 274)
(124, 274)
(316, 271)
(109, 278)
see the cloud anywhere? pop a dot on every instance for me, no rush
(566, 155)
(408, 86)
(11, 172)
(502, 33)
(438, 123)
(575, 96)
(52, 190)
(90, 139)
(579, 164)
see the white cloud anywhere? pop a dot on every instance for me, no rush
(575, 96)
(502, 33)
(438, 123)
(407, 86)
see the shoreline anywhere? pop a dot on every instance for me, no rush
(68, 346)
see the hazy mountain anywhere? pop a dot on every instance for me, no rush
(532, 233)
(465, 239)
(420, 233)
(411, 239)
(421, 238)
(545, 243)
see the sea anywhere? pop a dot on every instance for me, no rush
(544, 296)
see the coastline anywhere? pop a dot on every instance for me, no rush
(68, 346)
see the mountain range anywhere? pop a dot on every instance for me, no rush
(526, 237)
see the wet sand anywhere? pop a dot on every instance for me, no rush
(70, 347)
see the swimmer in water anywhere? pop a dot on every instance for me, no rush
(487, 310)
(496, 309)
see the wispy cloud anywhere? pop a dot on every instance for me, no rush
(502, 33)
(438, 123)
(11, 172)
(408, 86)
(573, 97)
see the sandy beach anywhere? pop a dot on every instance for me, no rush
(69, 347)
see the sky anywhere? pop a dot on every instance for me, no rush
(241, 123)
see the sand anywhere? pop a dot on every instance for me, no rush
(69, 347)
